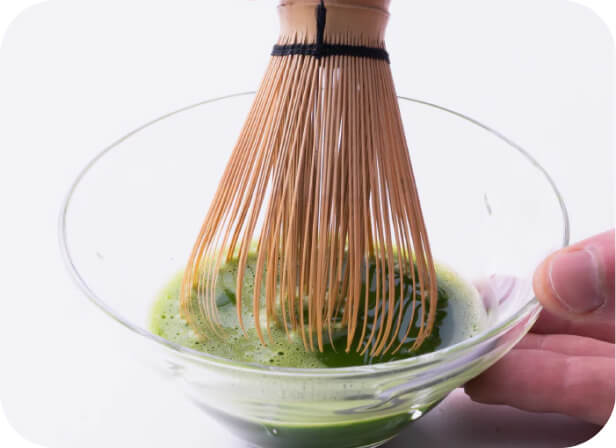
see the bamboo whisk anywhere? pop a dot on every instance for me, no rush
(321, 179)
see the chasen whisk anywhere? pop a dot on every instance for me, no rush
(321, 180)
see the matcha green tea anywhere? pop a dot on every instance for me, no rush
(460, 315)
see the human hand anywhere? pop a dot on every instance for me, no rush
(566, 363)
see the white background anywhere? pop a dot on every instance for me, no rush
(74, 75)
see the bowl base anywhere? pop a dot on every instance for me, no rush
(372, 445)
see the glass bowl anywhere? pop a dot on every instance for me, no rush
(131, 217)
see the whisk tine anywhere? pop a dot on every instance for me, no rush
(321, 180)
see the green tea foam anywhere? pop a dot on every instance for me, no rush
(460, 315)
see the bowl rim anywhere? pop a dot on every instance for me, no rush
(531, 308)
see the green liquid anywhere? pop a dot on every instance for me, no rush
(459, 316)
(364, 433)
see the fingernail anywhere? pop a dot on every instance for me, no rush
(575, 279)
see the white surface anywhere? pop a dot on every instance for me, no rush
(74, 75)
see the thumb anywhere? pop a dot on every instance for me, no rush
(577, 283)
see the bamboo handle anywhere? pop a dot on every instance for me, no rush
(374, 4)
(348, 21)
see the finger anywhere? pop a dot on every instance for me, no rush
(549, 323)
(566, 345)
(577, 283)
(540, 381)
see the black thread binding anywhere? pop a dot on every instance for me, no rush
(321, 21)
(320, 49)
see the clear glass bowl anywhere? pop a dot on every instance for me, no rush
(132, 214)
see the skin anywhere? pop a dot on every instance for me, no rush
(566, 364)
